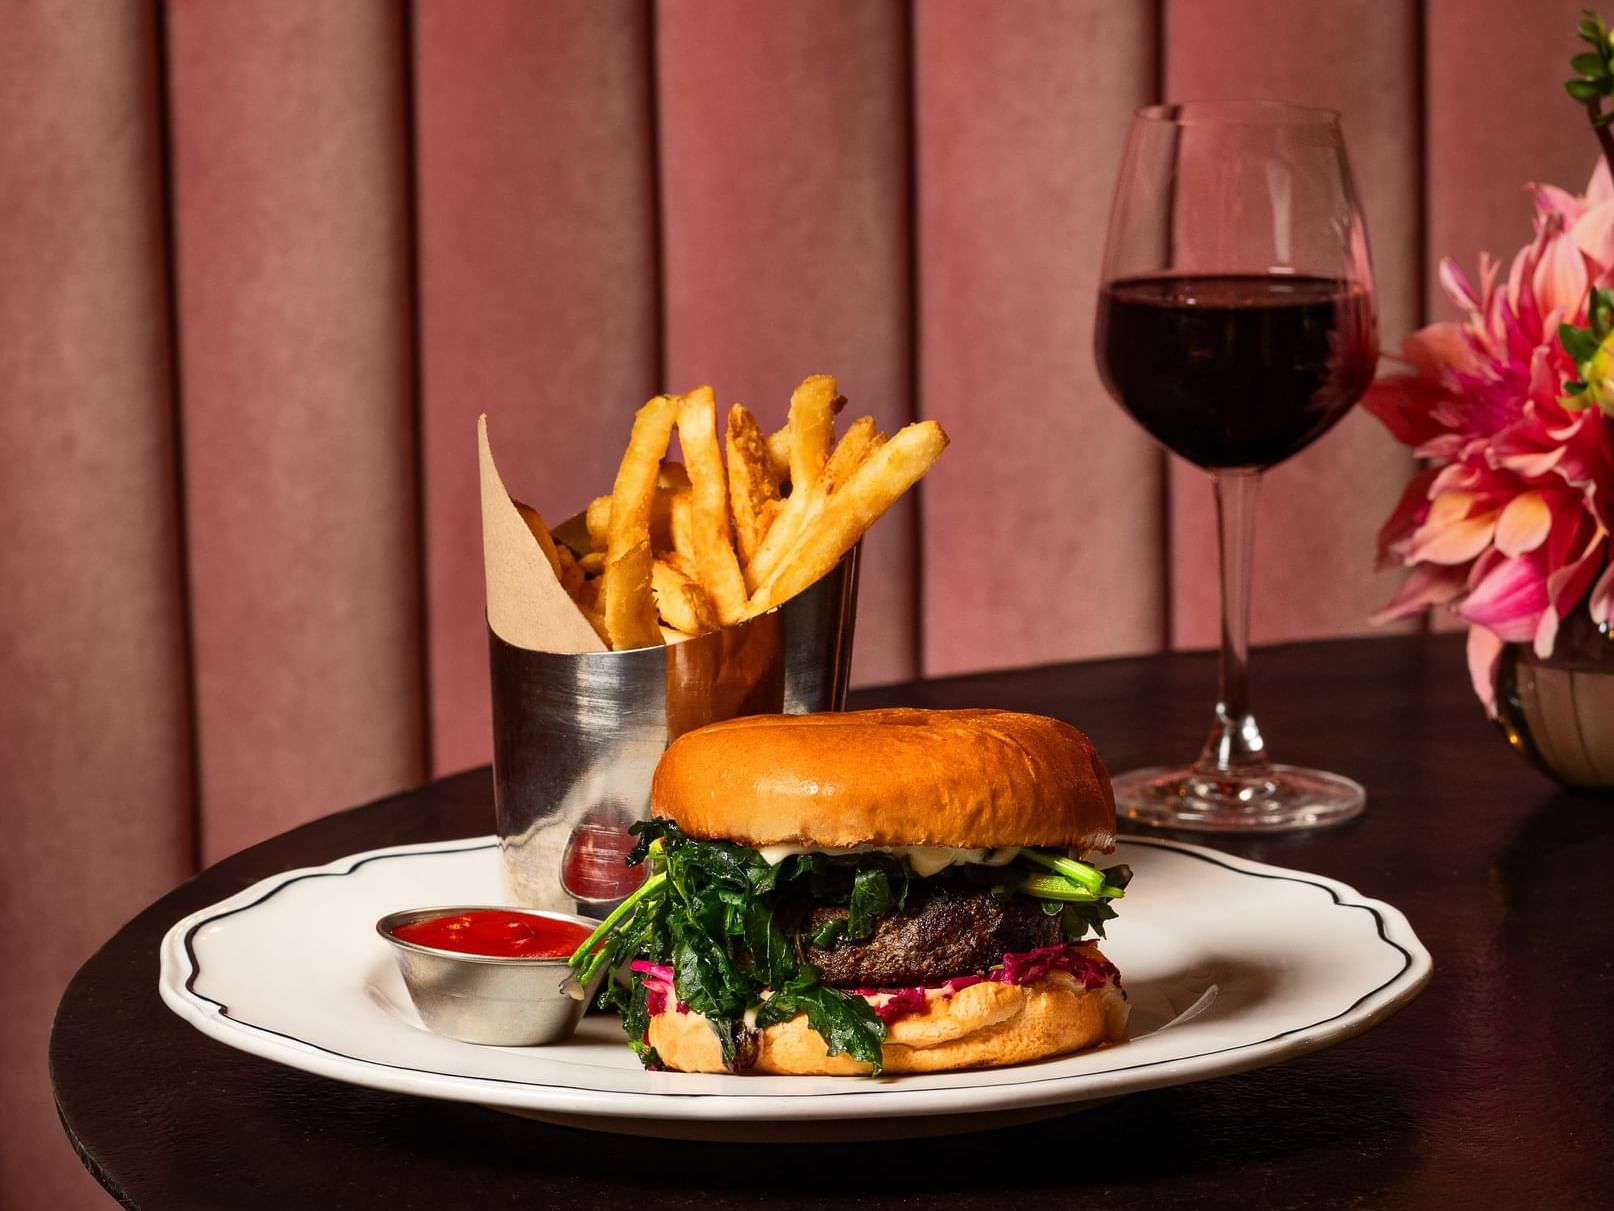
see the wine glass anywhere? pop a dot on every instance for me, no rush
(1236, 324)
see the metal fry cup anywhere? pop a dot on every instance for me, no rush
(576, 737)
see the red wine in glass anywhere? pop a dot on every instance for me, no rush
(1236, 324)
(1236, 370)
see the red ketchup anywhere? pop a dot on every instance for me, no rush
(496, 933)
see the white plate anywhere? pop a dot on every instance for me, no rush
(1229, 965)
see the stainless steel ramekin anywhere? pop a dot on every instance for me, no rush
(500, 1002)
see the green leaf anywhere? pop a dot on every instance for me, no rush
(724, 862)
(1578, 343)
(644, 832)
(772, 955)
(829, 933)
(636, 1016)
(1118, 875)
(1079, 918)
(705, 976)
(846, 1023)
(871, 899)
(1588, 63)
(1583, 91)
(765, 878)
(1602, 313)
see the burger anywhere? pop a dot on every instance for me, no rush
(864, 892)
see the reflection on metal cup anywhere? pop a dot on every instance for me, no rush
(577, 737)
(594, 867)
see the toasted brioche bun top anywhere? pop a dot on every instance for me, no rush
(966, 779)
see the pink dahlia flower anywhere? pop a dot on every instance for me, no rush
(1509, 524)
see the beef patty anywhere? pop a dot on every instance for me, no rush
(949, 935)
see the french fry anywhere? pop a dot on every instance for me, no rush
(681, 529)
(598, 519)
(629, 607)
(781, 536)
(779, 444)
(753, 484)
(851, 509)
(715, 560)
(671, 479)
(683, 604)
(571, 575)
(598, 515)
(812, 428)
(860, 440)
(681, 564)
(799, 512)
(626, 600)
(779, 453)
(540, 533)
(569, 570)
(587, 597)
(592, 564)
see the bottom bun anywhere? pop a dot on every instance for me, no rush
(985, 1025)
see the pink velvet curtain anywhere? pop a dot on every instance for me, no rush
(262, 262)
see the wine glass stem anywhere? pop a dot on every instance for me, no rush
(1234, 747)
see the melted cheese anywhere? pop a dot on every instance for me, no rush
(926, 860)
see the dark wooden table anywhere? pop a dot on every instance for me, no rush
(1495, 1087)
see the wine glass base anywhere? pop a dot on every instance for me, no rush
(1286, 799)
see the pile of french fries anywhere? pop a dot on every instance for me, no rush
(679, 549)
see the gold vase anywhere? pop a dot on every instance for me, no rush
(1559, 711)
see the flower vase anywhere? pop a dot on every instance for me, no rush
(1558, 711)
